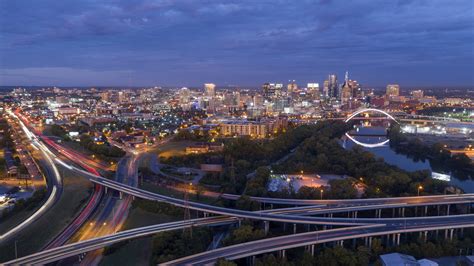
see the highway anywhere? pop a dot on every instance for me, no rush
(113, 211)
(317, 237)
(54, 184)
(59, 253)
(140, 193)
(387, 226)
(92, 204)
(67, 233)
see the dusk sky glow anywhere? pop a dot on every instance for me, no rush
(244, 43)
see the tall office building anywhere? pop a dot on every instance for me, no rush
(333, 88)
(326, 89)
(184, 95)
(210, 89)
(271, 90)
(393, 90)
(292, 87)
(278, 89)
(313, 90)
(268, 90)
(346, 91)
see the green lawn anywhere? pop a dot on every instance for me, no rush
(173, 148)
(75, 195)
(176, 194)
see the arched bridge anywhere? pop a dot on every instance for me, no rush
(370, 110)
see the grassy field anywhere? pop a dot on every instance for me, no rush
(173, 148)
(138, 251)
(176, 194)
(75, 195)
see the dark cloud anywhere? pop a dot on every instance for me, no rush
(238, 42)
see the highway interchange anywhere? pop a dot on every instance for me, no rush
(357, 227)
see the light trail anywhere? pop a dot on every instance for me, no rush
(55, 191)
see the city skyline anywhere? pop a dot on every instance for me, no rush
(180, 43)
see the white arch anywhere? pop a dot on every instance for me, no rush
(370, 110)
(368, 145)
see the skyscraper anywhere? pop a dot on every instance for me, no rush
(268, 90)
(184, 95)
(333, 88)
(313, 90)
(326, 89)
(271, 90)
(210, 89)
(393, 90)
(292, 87)
(346, 91)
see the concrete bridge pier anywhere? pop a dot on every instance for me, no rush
(398, 239)
(370, 241)
(437, 207)
(451, 234)
(378, 213)
(282, 254)
(120, 194)
(447, 209)
(251, 260)
(294, 228)
(426, 210)
(106, 190)
(266, 225)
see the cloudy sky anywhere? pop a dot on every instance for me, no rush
(246, 43)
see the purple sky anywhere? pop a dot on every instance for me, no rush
(248, 42)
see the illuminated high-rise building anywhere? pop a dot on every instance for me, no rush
(393, 90)
(210, 89)
(333, 88)
(326, 89)
(292, 87)
(184, 95)
(271, 90)
(346, 91)
(313, 90)
(268, 90)
(278, 89)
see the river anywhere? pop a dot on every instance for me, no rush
(399, 160)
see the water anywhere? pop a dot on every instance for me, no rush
(399, 160)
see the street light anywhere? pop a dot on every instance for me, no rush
(322, 190)
(420, 187)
